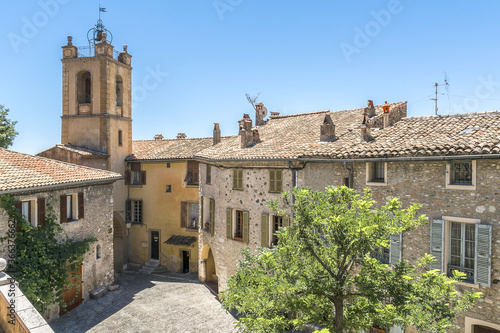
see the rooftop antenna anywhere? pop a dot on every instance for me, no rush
(94, 35)
(435, 99)
(252, 100)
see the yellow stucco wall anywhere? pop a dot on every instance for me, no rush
(162, 212)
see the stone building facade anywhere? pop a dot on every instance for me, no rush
(449, 164)
(82, 199)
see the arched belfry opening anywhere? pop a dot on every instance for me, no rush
(119, 94)
(84, 90)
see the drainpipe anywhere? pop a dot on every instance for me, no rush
(350, 175)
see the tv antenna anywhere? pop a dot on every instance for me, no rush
(436, 85)
(252, 100)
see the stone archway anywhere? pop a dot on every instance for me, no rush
(208, 272)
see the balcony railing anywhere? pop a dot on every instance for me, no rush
(89, 51)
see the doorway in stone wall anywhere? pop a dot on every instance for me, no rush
(155, 245)
(185, 262)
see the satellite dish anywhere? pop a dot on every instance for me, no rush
(264, 112)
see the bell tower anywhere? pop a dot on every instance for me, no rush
(97, 97)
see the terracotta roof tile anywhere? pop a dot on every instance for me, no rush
(168, 149)
(20, 171)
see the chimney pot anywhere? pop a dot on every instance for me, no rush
(181, 135)
(216, 133)
(158, 137)
(274, 114)
(256, 136)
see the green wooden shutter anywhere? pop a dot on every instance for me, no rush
(482, 264)
(245, 227)
(264, 234)
(229, 223)
(286, 221)
(212, 213)
(202, 224)
(235, 179)
(395, 251)
(437, 244)
(272, 181)
(279, 180)
(240, 179)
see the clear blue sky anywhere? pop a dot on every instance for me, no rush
(302, 56)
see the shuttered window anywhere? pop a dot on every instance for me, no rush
(212, 216)
(81, 204)
(189, 215)
(41, 211)
(63, 209)
(134, 211)
(469, 249)
(275, 181)
(238, 230)
(229, 223)
(192, 173)
(135, 176)
(237, 179)
(264, 235)
(209, 174)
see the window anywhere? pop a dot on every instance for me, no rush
(461, 175)
(376, 173)
(464, 245)
(135, 176)
(119, 91)
(168, 165)
(392, 254)
(207, 205)
(237, 225)
(275, 180)
(84, 88)
(169, 189)
(120, 138)
(71, 207)
(277, 224)
(270, 224)
(189, 215)
(26, 210)
(192, 173)
(209, 174)
(237, 179)
(134, 211)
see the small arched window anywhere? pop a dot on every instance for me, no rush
(84, 87)
(119, 91)
(98, 252)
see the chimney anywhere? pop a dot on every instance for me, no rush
(274, 114)
(256, 136)
(386, 108)
(158, 137)
(260, 114)
(370, 109)
(181, 135)
(245, 132)
(365, 130)
(216, 133)
(327, 132)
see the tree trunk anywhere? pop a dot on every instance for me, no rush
(339, 315)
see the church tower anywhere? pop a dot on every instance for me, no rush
(97, 98)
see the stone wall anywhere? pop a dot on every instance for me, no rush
(97, 222)
(253, 198)
(424, 182)
(421, 182)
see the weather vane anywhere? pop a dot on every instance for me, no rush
(94, 35)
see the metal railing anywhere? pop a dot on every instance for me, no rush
(89, 51)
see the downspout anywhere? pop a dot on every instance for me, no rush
(351, 185)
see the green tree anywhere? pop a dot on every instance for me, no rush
(39, 258)
(321, 271)
(7, 130)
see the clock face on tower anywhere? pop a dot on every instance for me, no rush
(100, 50)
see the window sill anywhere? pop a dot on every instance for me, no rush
(376, 183)
(238, 239)
(276, 192)
(136, 223)
(461, 187)
(468, 284)
(191, 229)
(192, 185)
(237, 189)
(136, 185)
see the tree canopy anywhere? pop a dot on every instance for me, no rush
(7, 130)
(322, 271)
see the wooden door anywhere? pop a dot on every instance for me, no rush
(155, 245)
(185, 262)
(73, 297)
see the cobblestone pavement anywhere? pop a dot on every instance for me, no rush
(150, 303)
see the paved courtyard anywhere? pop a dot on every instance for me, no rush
(150, 303)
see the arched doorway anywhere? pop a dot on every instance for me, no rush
(208, 272)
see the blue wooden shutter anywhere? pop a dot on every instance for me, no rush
(395, 250)
(437, 244)
(482, 264)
